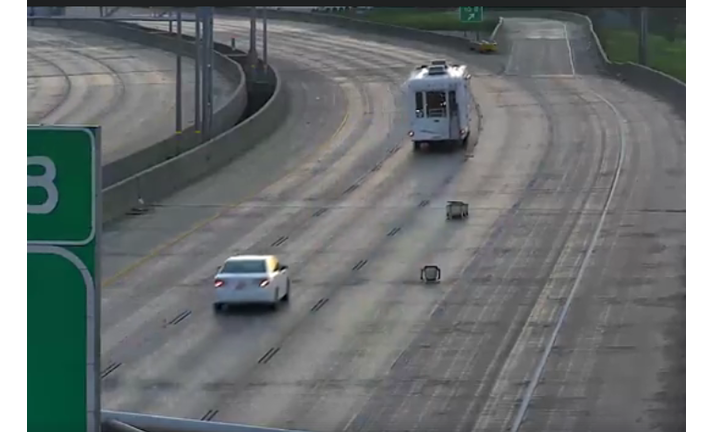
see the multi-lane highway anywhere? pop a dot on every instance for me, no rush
(83, 78)
(338, 194)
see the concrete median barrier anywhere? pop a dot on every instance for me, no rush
(654, 82)
(224, 118)
(168, 177)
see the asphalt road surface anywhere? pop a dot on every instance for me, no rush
(128, 89)
(339, 195)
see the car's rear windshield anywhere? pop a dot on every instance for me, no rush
(244, 266)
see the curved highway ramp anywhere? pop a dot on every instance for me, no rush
(75, 77)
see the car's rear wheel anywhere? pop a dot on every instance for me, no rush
(276, 301)
(218, 307)
(286, 297)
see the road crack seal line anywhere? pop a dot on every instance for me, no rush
(109, 369)
(209, 415)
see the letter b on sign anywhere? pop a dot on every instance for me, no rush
(45, 182)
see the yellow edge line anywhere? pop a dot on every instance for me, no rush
(158, 249)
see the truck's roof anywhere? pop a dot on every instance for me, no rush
(451, 73)
(426, 84)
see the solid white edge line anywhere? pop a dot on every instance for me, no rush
(569, 49)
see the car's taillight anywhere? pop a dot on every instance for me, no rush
(218, 283)
(264, 283)
(410, 133)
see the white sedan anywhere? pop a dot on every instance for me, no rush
(251, 279)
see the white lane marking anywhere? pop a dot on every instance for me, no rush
(569, 50)
(510, 57)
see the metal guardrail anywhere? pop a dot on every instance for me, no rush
(155, 423)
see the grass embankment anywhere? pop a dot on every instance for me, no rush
(429, 20)
(668, 57)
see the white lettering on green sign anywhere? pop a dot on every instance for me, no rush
(44, 181)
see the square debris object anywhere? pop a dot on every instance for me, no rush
(456, 210)
(430, 274)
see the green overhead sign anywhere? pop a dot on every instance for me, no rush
(471, 14)
(63, 232)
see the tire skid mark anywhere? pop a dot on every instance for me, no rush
(66, 89)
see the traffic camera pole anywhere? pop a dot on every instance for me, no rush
(264, 39)
(179, 78)
(643, 35)
(206, 70)
(198, 67)
(211, 67)
(253, 42)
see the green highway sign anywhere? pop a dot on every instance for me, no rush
(63, 277)
(69, 220)
(471, 14)
(60, 342)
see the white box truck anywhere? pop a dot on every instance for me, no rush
(440, 104)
